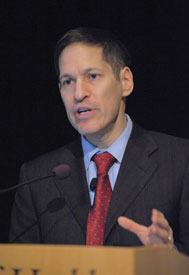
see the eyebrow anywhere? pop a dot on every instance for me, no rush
(65, 76)
(85, 71)
(91, 69)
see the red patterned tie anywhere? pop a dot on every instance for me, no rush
(97, 215)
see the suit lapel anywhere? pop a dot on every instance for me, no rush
(136, 169)
(74, 188)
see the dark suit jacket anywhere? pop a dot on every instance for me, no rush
(154, 174)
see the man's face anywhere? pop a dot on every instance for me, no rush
(92, 96)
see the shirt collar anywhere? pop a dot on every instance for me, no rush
(117, 149)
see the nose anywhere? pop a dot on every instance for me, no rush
(81, 90)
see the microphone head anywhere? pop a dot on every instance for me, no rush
(61, 171)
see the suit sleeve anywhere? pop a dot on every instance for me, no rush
(24, 226)
(183, 244)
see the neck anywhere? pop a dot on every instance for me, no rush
(104, 140)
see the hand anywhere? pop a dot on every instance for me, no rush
(158, 233)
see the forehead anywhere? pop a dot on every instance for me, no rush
(80, 54)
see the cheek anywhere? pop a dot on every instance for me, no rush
(67, 102)
(112, 103)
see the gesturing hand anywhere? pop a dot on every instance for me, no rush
(158, 233)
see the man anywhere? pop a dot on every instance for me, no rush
(149, 176)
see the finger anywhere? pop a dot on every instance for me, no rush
(159, 219)
(160, 233)
(161, 227)
(166, 236)
(130, 225)
(152, 237)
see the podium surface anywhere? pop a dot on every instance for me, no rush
(81, 260)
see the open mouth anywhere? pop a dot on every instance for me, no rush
(83, 111)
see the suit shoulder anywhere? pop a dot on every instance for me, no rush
(162, 138)
(140, 133)
(171, 148)
(161, 142)
(46, 162)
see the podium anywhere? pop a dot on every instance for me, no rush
(81, 260)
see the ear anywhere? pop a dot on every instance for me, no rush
(126, 79)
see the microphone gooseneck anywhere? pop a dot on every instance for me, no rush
(61, 171)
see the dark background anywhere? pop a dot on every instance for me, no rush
(32, 118)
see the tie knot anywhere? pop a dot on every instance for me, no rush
(103, 162)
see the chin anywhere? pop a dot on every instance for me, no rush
(87, 131)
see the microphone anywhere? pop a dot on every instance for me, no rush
(61, 171)
(93, 184)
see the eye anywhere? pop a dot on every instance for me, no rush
(66, 82)
(93, 76)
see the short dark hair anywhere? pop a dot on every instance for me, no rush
(114, 51)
